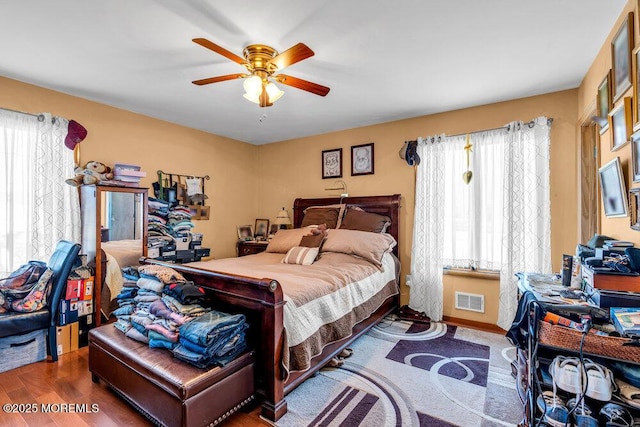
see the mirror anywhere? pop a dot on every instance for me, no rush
(122, 216)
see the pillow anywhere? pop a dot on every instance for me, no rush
(312, 240)
(370, 246)
(284, 240)
(356, 219)
(301, 255)
(329, 214)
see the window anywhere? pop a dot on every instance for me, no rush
(473, 212)
(38, 207)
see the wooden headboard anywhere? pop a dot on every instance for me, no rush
(381, 205)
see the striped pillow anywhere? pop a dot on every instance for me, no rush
(301, 255)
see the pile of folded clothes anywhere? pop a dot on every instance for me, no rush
(159, 307)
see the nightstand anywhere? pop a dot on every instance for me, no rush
(250, 248)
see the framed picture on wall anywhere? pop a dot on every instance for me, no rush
(621, 47)
(332, 163)
(613, 189)
(636, 81)
(620, 123)
(635, 156)
(634, 207)
(604, 102)
(362, 159)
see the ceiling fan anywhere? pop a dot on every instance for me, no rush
(262, 62)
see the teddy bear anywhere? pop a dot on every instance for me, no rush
(92, 173)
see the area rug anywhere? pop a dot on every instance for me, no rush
(413, 374)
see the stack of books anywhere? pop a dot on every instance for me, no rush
(128, 175)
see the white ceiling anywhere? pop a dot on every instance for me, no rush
(383, 60)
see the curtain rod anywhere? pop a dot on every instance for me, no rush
(39, 116)
(506, 127)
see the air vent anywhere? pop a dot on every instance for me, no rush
(471, 302)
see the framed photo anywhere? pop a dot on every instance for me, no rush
(613, 189)
(332, 163)
(245, 232)
(636, 82)
(635, 156)
(620, 124)
(604, 101)
(273, 229)
(634, 207)
(621, 47)
(262, 228)
(362, 159)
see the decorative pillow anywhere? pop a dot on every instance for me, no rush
(301, 255)
(367, 245)
(356, 219)
(284, 240)
(318, 216)
(312, 240)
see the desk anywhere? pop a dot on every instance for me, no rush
(546, 288)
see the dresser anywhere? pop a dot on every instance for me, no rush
(249, 248)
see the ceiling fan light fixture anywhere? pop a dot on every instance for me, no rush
(253, 86)
(252, 97)
(274, 92)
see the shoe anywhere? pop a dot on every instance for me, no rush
(567, 374)
(582, 415)
(600, 383)
(628, 393)
(555, 412)
(614, 415)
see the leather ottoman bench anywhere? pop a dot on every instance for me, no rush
(168, 391)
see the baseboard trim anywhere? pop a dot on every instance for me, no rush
(455, 321)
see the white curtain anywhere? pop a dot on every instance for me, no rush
(499, 221)
(526, 239)
(428, 230)
(39, 208)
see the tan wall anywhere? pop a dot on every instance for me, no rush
(293, 169)
(587, 92)
(116, 135)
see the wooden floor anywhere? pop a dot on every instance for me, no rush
(63, 386)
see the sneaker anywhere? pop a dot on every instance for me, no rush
(613, 414)
(567, 374)
(600, 383)
(554, 411)
(582, 415)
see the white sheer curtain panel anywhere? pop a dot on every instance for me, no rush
(39, 208)
(526, 239)
(428, 230)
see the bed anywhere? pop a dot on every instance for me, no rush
(119, 254)
(254, 286)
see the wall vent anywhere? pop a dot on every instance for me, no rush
(471, 302)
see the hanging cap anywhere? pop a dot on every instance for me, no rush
(75, 134)
(403, 151)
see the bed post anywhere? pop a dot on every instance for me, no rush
(274, 405)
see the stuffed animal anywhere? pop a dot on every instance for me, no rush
(92, 173)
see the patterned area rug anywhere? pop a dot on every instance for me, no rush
(410, 374)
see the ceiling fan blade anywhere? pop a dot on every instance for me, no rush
(218, 79)
(219, 49)
(302, 84)
(292, 55)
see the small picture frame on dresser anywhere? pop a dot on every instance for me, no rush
(245, 232)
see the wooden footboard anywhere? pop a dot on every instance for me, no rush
(261, 300)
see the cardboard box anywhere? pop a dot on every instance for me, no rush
(85, 324)
(87, 289)
(68, 311)
(85, 308)
(74, 288)
(67, 338)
